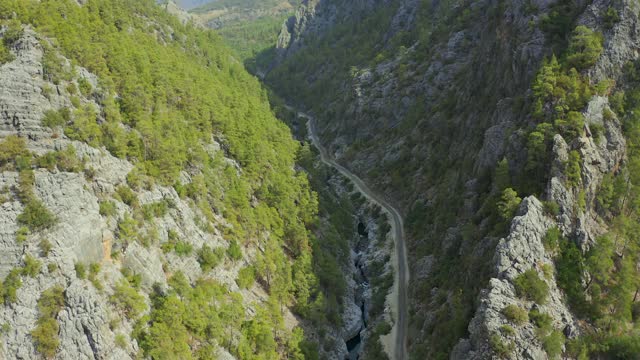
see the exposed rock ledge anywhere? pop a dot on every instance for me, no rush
(520, 251)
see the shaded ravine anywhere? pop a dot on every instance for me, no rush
(397, 341)
(354, 344)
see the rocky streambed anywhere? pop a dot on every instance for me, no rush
(361, 298)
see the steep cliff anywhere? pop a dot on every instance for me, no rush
(458, 110)
(150, 206)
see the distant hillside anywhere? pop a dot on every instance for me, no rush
(253, 5)
(250, 27)
(191, 4)
(223, 13)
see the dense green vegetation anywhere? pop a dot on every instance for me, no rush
(167, 91)
(128, 299)
(560, 94)
(561, 91)
(331, 253)
(188, 322)
(331, 51)
(323, 77)
(250, 27)
(254, 40)
(606, 297)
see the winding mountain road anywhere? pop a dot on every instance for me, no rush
(397, 344)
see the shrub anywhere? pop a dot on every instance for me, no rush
(180, 283)
(499, 347)
(616, 102)
(128, 299)
(183, 248)
(5, 55)
(45, 334)
(45, 247)
(585, 47)
(11, 148)
(36, 216)
(94, 270)
(128, 230)
(582, 200)
(134, 179)
(107, 208)
(21, 234)
(569, 272)
(553, 344)
(53, 67)
(551, 208)
(47, 91)
(547, 270)
(10, 286)
(508, 203)
(51, 302)
(542, 321)
(47, 161)
(552, 238)
(156, 209)
(623, 347)
(607, 115)
(530, 286)
(26, 179)
(81, 270)
(604, 87)
(13, 32)
(610, 17)
(31, 266)
(573, 170)
(597, 129)
(75, 101)
(85, 87)
(53, 118)
(515, 314)
(65, 160)
(89, 173)
(570, 126)
(24, 162)
(209, 258)
(127, 195)
(121, 341)
(234, 251)
(68, 160)
(134, 279)
(246, 277)
(507, 330)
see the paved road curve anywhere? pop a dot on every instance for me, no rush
(397, 227)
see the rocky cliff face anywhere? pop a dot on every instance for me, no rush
(90, 325)
(427, 113)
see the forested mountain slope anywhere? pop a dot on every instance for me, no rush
(150, 203)
(506, 131)
(191, 4)
(250, 27)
